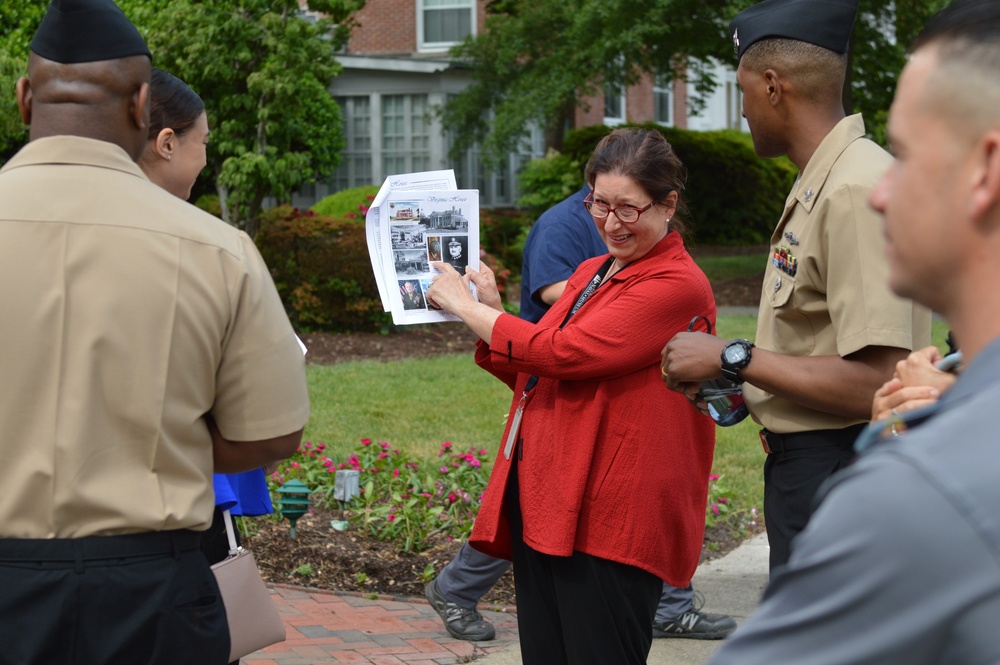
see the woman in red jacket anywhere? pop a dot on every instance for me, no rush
(598, 492)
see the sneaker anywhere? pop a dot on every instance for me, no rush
(695, 624)
(460, 622)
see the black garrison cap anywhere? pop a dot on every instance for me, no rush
(825, 23)
(75, 31)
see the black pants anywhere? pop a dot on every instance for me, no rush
(798, 465)
(143, 599)
(581, 609)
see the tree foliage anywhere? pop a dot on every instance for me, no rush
(18, 22)
(263, 70)
(882, 33)
(537, 60)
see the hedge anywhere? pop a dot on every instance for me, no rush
(734, 196)
(322, 270)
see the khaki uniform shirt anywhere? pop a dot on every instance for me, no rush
(838, 300)
(126, 315)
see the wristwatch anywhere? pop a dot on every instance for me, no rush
(735, 356)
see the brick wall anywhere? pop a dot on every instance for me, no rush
(389, 27)
(385, 27)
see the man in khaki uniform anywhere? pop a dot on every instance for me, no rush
(144, 345)
(829, 330)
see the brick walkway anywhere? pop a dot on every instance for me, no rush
(324, 627)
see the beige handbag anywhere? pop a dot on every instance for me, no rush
(253, 620)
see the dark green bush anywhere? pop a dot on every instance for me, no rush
(210, 204)
(322, 270)
(547, 181)
(502, 232)
(734, 196)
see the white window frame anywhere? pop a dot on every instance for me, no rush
(356, 109)
(734, 105)
(424, 46)
(415, 157)
(611, 91)
(664, 89)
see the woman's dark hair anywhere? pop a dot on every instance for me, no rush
(644, 156)
(173, 104)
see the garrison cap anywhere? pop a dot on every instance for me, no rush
(825, 23)
(75, 31)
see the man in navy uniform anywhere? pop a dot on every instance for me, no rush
(901, 561)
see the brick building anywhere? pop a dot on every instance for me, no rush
(397, 70)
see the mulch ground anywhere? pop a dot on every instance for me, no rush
(323, 558)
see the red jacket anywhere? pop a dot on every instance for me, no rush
(612, 463)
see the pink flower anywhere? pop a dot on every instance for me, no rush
(366, 442)
(392, 517)
(295, 465)
(715, 508)
(395, 473)
(452, 497)
(443, 469)
(713, 477)
(383, 455)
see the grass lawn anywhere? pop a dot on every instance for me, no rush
(721, 268)
(415, 405)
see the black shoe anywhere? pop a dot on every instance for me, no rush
(695, 625)
(460, 622)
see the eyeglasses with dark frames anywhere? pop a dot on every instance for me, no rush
(626, 213)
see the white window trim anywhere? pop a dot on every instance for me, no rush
(661, 87)
(436, 47)
(615, 121)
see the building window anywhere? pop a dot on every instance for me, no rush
(406, 138)
(355, 167)
(443, 23)
(734, 105)
(663, 103)
(614, 105)
(498, 185)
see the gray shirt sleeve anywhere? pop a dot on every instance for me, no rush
(881, 575)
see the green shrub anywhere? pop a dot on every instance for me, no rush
(547, 181)
(502, 232)
(347, 203)
(734, 196)
(322, 270)
(210, 204)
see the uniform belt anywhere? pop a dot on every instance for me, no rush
(99, 547)
(818, 438)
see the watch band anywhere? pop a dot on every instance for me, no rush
(731, 371)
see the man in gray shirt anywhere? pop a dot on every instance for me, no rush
(900, 562)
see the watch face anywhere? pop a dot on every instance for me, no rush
(735, 354)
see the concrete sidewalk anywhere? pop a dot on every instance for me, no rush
(731, 585)
(323, 627)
